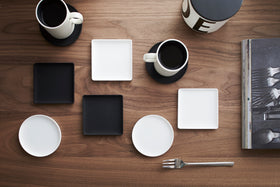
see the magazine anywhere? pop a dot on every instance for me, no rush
(260, 93)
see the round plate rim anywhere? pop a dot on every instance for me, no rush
(42, 116)
(167, 123)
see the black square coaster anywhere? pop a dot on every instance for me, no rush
(53, 83)
(102, 114)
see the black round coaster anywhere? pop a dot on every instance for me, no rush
(67, 41)
(159, 78)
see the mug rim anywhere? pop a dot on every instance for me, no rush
(181, 67)
(48, 27)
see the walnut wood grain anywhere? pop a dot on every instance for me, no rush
(215, 62)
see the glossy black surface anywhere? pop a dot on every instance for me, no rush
(172, 55)
(51, 12)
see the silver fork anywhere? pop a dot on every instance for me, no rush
(272, 71)
(178, 163)
(272, 81)
(275, 93)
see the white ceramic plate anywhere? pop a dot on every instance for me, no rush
(39, 135)
(152, 135)
(198, 108)
(111, 60)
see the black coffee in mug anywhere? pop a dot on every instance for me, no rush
(172, 55)
(52, 12)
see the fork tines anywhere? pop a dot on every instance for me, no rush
(272, 71)
(275, 93)
(170, 163)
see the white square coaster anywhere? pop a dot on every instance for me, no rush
(198, 108)
(111, 60)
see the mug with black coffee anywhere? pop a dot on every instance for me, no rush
(171, 56)
(55, 17)
(208, 15)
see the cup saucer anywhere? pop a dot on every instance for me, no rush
(159, 78)
(67, 41)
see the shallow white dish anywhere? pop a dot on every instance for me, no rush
(111, 60)
(198, 108)
(39, 135)
(152, 135)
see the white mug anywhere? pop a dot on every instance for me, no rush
(208, 15)
(171, 56)
(56, 18)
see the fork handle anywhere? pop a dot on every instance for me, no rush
(210, 164)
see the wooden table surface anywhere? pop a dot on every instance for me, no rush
(215, 62)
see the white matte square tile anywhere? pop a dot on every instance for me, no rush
(198, 108)
(111, 60)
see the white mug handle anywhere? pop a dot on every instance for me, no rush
(76, 18)
(150, 57)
